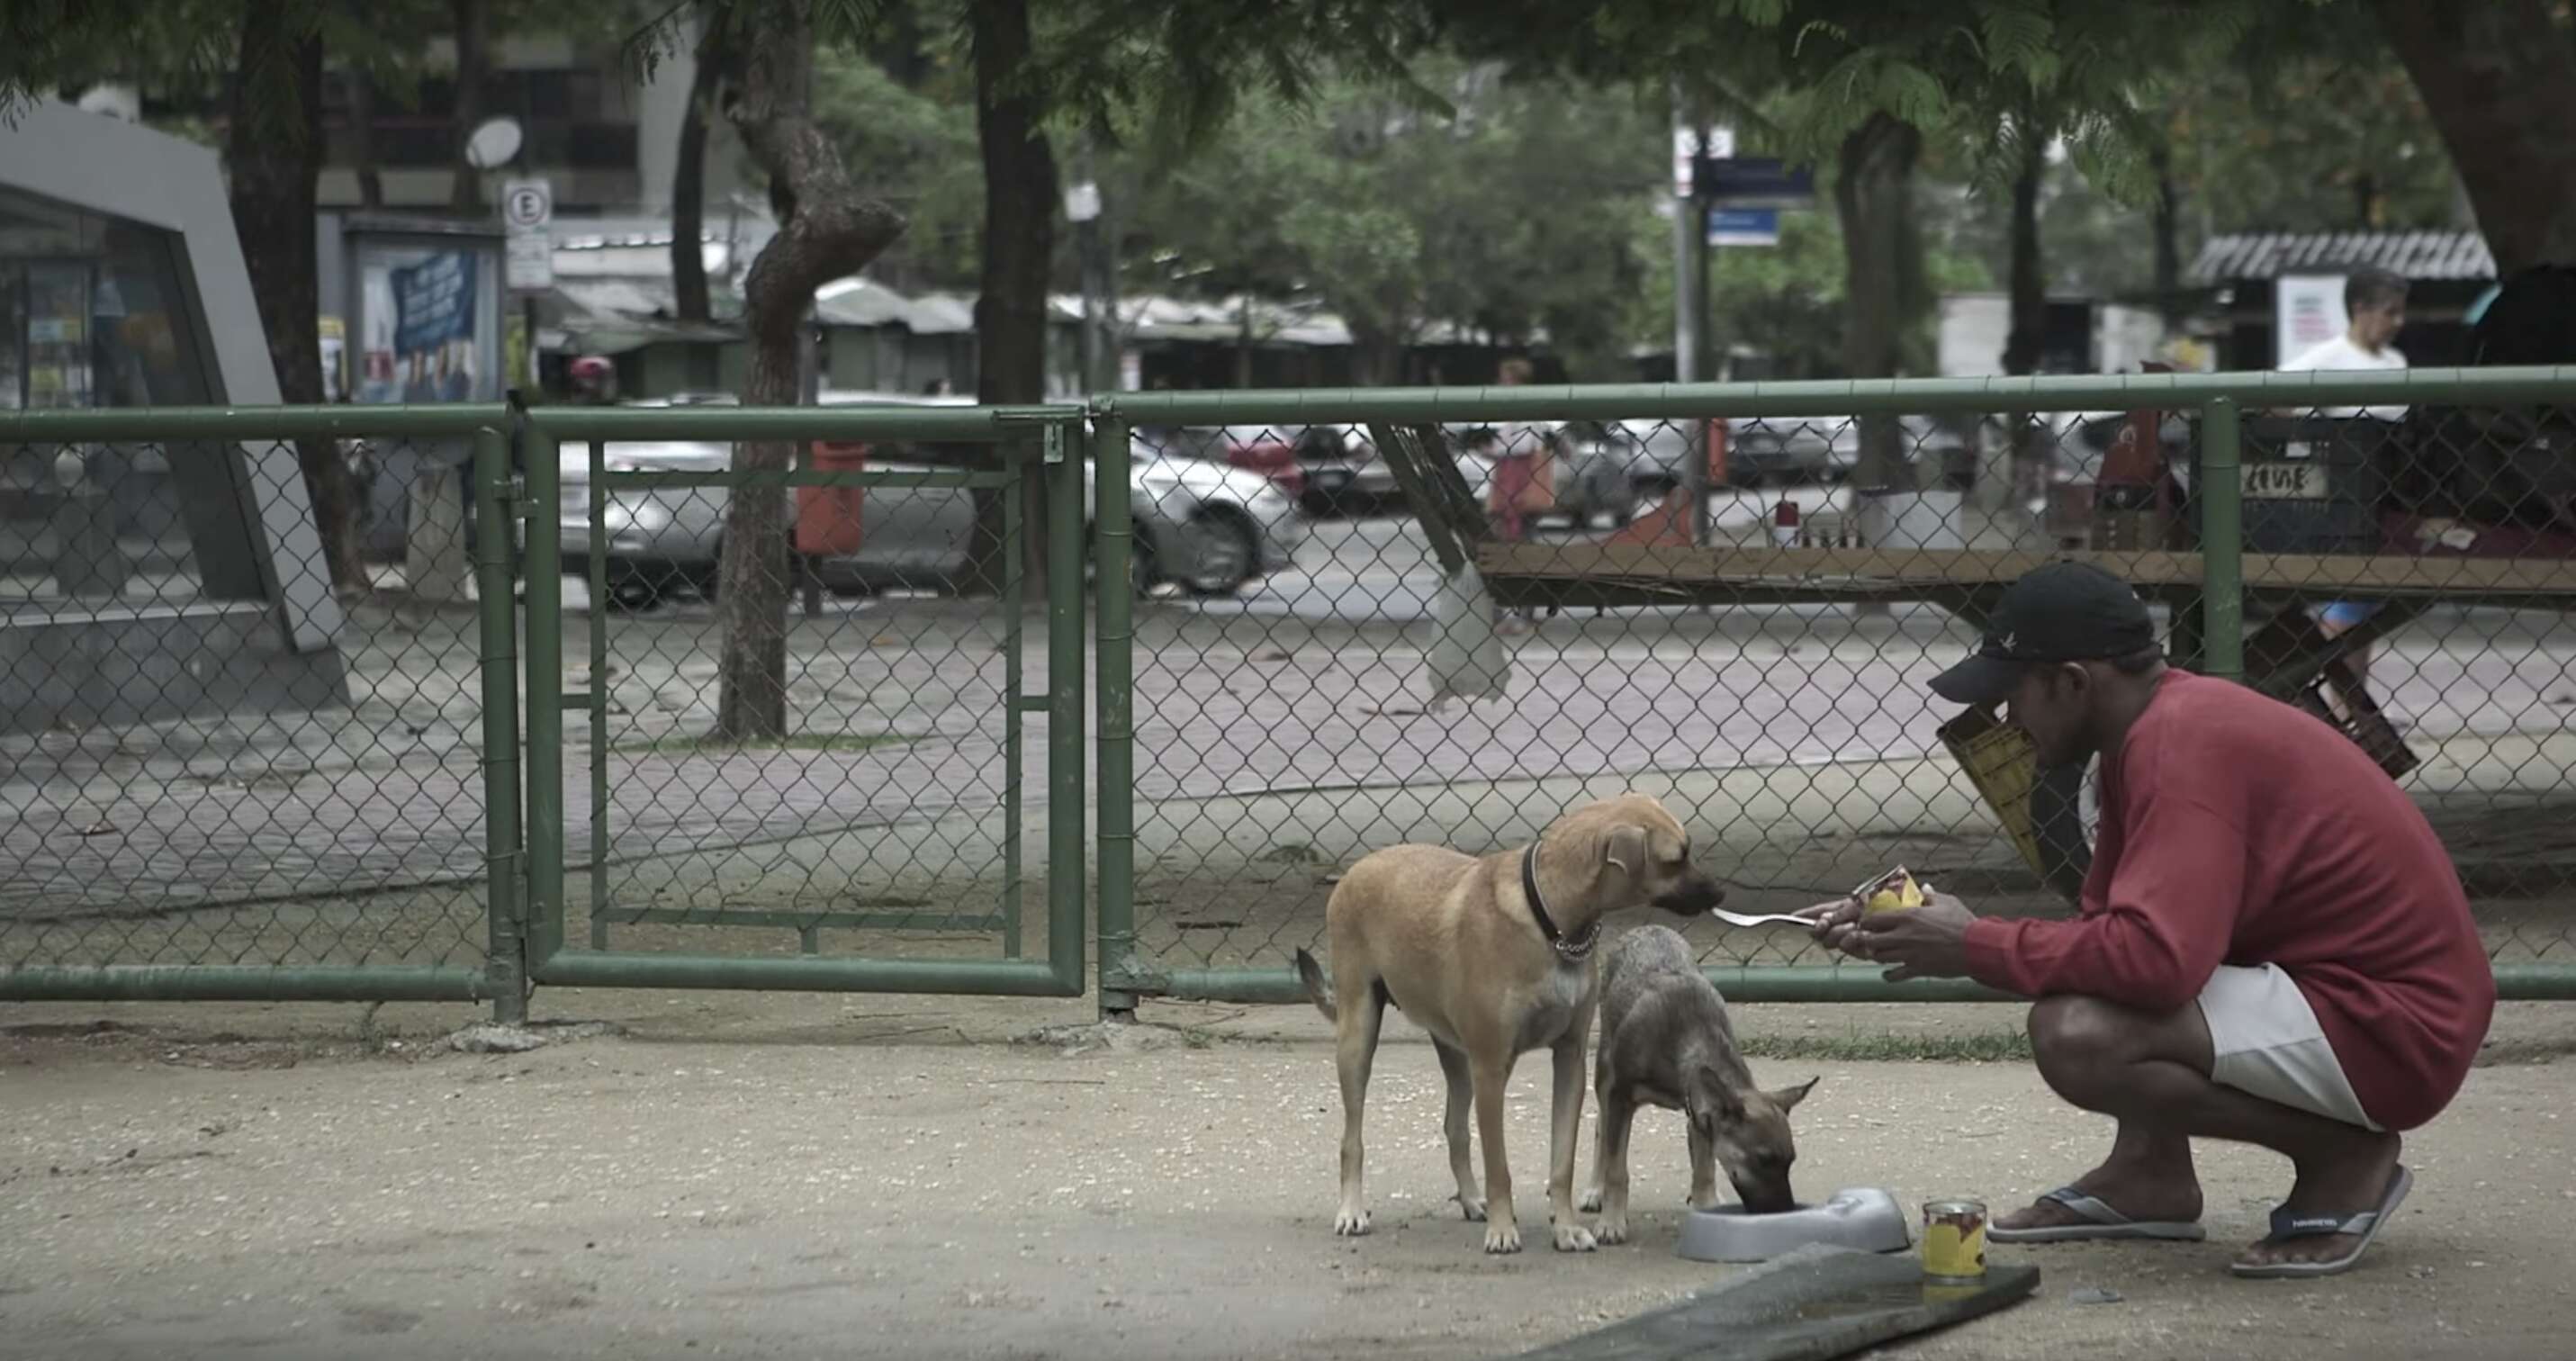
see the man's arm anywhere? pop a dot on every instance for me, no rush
(2160, 933)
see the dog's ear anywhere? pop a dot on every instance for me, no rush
(1789, 1097)
(1711, 1096)
(1625, 847)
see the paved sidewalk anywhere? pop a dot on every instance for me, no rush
(846, 1189)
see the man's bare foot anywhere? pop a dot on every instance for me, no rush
(2145, 1193)
(2348, 1182)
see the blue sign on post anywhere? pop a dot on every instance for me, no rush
(1758, 182)
(1744, 226)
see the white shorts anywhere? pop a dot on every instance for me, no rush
(2267, 1043)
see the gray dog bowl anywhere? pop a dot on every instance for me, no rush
(1863, 1218)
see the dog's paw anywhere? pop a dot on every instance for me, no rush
(1591, 1201)
(1610, 1233)
(1350, 1224)
(1573, 1238)
(1472, 1208)
(1502, 1236)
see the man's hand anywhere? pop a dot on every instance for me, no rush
(1924, 942)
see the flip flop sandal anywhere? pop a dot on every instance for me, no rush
(2287, 1226)
(2105, 1223)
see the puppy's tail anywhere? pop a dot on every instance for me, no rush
(1319, 989)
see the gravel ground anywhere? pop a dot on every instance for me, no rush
(794, 1176)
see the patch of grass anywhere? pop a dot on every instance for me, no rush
(687, 744)
(1992, 1046)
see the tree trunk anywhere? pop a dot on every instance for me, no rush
(689, 300)
(362, 139)
(827, 229)
(2168, 233)
(1379, 355)
(2029, 281)
(2499, 79)
(273, 150)
(1883, 274)
(1019, 248)
(473, 59)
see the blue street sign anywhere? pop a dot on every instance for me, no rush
(1758, 182)
(1744, 226)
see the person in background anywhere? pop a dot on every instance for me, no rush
(939, 387)
(2375, 302)
(594, 381)
(456, 372)
(1524, 482)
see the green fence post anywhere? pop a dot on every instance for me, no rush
(1067, 861)
(1114, 580)
(545, 839)
(497, 610)
(2222, 540)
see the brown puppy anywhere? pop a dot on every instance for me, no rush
(1494, 957)
(1665, 1041)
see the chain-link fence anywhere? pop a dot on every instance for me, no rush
(242, 756)
(234, 758)
(874, 790)
(1734, 605)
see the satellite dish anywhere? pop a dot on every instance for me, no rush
(495, 143)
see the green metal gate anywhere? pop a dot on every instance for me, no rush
(888, 820)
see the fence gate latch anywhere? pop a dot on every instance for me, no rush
(1051, 422)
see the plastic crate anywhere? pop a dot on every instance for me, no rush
(2311, 484)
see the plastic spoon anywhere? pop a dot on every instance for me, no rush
(1747, 919)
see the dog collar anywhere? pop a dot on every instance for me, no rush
(1571, 948)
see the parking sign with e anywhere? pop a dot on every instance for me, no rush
(527, 204)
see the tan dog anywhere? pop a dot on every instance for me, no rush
(1494, 957)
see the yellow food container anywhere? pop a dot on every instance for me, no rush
(1954, 1241)
(1896, 893)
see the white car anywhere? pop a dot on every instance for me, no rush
(1204, 526)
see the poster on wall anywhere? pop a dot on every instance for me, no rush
(2307, 312)
(434, 329)
(335, 359)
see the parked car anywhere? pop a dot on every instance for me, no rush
(1613, 469)
(1800, 450)
(1340, 472)
(1602, 470)
(1264, 449)
(1207, 527)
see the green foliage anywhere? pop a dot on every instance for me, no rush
(55, 46)
(2319, 146)
(193, 47)
(2314, 144)
(1784, 304)
(1514, 213)
(920, 146)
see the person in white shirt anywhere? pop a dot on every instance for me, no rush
(2375, 300)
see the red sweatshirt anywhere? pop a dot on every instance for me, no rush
(2238, 830)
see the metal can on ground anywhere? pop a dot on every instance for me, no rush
(1954, 1240)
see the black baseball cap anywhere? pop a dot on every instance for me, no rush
(2063, 612)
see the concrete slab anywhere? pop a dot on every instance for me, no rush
(1815, 1303)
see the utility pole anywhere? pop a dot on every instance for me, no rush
(1099, 276)
(1692, 359)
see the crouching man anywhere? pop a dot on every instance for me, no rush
(2273, 947)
